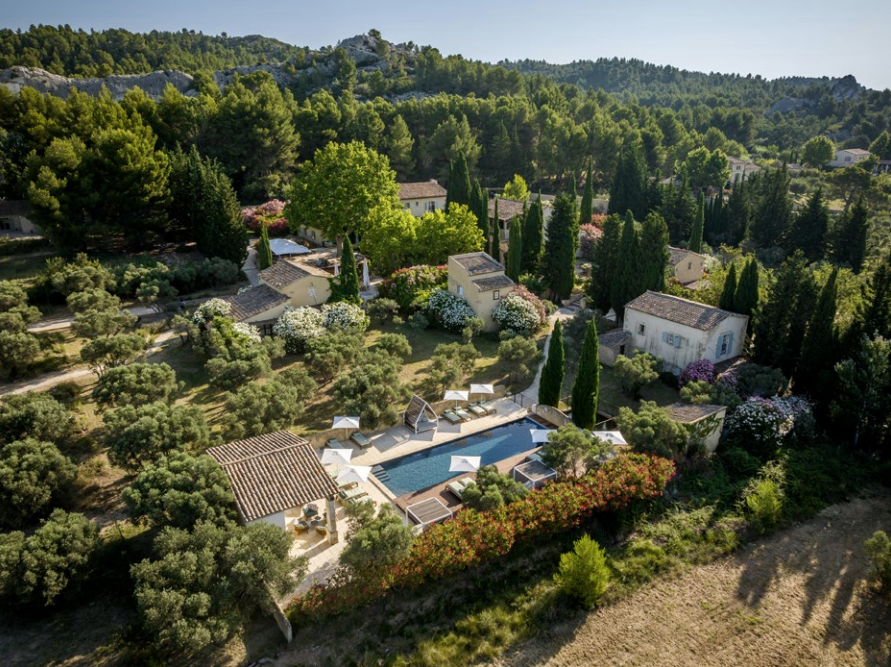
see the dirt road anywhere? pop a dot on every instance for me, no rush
(799, 598)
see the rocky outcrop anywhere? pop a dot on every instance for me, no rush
(363, 49)
(154, 83)
(846, 88)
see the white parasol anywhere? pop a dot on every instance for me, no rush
(464, 464)
(353, 474)
(540, 435)
(455, 395)
(337, 456)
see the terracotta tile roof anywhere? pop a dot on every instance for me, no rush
(507, 208)
(476, 263)
(678, 255)
(492, 283)
(855, 151)
(15, 207)
(273, 472)
(615, 338)
(684, 413)
(254, 301)
(423, 190)
(678, 310)
(282, 274)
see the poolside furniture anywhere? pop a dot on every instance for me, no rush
(488, 407)
(322, 529)
(457, 488)
(477, 410)
(300, 526)
(451, 417)
(461, 412)
(419, 416)
(310, 511)
(351, 494)
(465, 481)
(334, 443)
(360, 440)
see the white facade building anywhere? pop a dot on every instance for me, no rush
(421, 198)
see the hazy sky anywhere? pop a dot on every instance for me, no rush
(768, 37)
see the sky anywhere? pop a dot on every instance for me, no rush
(773, 38)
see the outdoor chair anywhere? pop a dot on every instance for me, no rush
(477, 410)
(457, 488)
(461, 412)
(466, 480)
(351, 494)
(360, 440)
(451, 417)
(488, 407)
(300, 526)
(334, 443)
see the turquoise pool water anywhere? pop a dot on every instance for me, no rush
(422, 470)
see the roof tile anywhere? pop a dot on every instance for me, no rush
(678, 310)
(254, 301)
(422, 190)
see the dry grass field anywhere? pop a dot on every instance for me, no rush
(801, 597)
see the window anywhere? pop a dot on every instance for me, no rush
(496, 295)
(725, 344)
(416, 204)
(689, 265)
(669, 338)
(460, 290)
(641, 329)
(847, 158)
(430, 206)
(5, 225)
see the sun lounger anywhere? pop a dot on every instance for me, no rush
(488, 407)
(457, 488)
(360, 440)
(451, 417)
(351, 494)
(466, 480)
(461, 412)
(477, 410)
(334, 443)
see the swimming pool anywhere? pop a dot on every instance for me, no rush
(422, 470)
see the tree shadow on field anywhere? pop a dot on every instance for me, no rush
(828, 552)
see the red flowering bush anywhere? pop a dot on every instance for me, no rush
(472, 537)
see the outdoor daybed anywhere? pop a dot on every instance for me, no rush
(360, 440)
(452, 417)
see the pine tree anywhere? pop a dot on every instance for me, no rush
(814, 370)
(808, 232)
(264, 252)
(873, 314)
(678, 208)
(729, 292)
(586, 213)
(628, 190)
(514, 249)
(603, 266)
(348, 289)
(458, 191)
(653, 255)
(586, 388)
(695, 243)
(780, 327)
(850, 241)
(399, 149)
(558, 262)
(551, 383)
(533, 232)
(772, 217)
(626, 278)
(485, 224)
(496, 235)
(738, 214)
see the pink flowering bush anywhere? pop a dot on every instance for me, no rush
(270, 214)
(760, 424)
(588, 237)
(697, 371)
(473, 537)
(520, 311)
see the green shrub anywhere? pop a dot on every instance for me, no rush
(878, 550)
(765, 505)
(583, 573)
(641, 561)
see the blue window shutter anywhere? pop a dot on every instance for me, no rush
(664, 337)
(677, 341)
(730, 344)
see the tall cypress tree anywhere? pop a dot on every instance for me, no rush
(483, 221)
(625, 281)
(808, 232)
(814, 371)
(348, 289)
(745, 301)
(496, 235)
(458, 191)
(586, 212)
(551, 383)
(514, 249)
(572, 188)
(729, 292)
(264, 252)
(653, 254)
(772, 217)
(586, 388)
(603, 266)
(873, 314)
(558, 262)
(739, 212)
(679, 210)
(849, 246)
(628, 190)
(533, 233)
(695, 243)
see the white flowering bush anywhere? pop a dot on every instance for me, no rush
(449, 310)
(247, 332)
(344, 316)
(210, 310)
(760, 424)
(298, 325)
(517, 314)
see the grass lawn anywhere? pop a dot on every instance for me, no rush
(612, 398)
(22, 267)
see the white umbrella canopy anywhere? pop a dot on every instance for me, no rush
(455, 395)
(336, 456)
(482, 389)
(465, 464)
(540, 435)
(345, 422)
(612, 437)
(353, 474)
